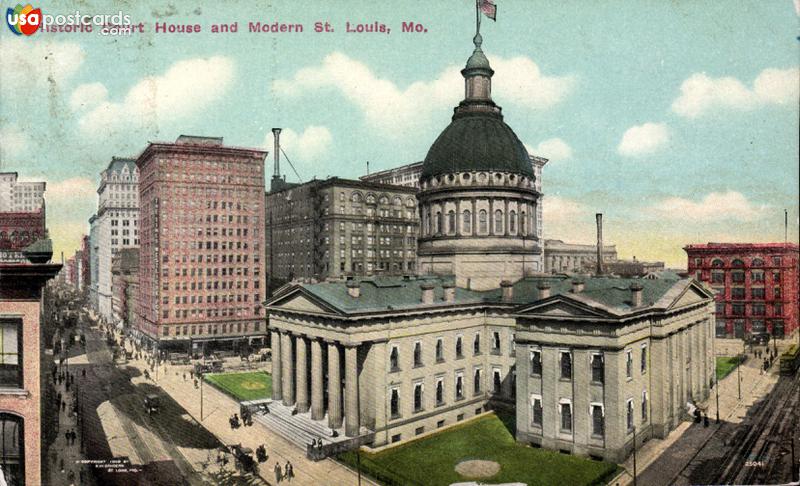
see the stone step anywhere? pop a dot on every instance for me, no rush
(302, 420)
(286, 430)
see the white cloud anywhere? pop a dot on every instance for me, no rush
(70, 189)
(30, 65)
(310, 144)
(566, 219)
(394, 111)
(88, 96)
(643, 139)
(713, 207)
(13, 142)
(701, 93)
(553, 149)
(188, 87)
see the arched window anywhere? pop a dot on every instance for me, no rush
(466, 224)
(498, 222)
(356, 197)
(717, 263)
(451, 222)
(397, 201)
(523, 223)
(428, 222)
(12, 451)
(482, 222)
(737, 263)
(438, 223)
(512, 222)
(757, 262)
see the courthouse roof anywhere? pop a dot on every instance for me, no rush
(386, 294)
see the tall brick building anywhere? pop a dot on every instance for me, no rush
(756, 285)
(201, 274)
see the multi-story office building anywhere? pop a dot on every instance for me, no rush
(23, 365)
(94, 260)
(756, 285)
(19, 229)
(124, 286)
(338, 227)
(116, 225)
(406, 175)
(19, 196)
(572, 257)
(201, 268)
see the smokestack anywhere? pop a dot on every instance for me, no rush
(449, 292)
(577, 286)
(599, 269)
(544, 290)
(427, 292)
(636, 294)
(276, 132)
(508, 290)
(353, 289)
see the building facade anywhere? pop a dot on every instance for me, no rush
(201, 269)
(756, 285)
(560, 257)
(23, 365)
(116, 225)
(478, 193)
(406, 176)
(339, 227)
(124, 286)
(94, 260)
(18, 229)
(388, 359)
(19, 196)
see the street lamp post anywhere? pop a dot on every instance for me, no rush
(739, 375)
(634, 455)
(201, 397)
(716, 390)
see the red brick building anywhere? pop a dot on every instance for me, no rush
(201, 269)
(18, 230)
(756, 285)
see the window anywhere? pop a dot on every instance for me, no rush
(12, 458)
(757, 276)
(737, 293)
(598, 373)
(482, 223)
(512, 222)
(644, 359)
(757, 293)
(759, 310)
(498, 222)
(718, 277)
(466, 224)
(10, 354)
(459, 386)
(536, 362)
(644, 406)
(566, 365)
(451, 222)
(598, 421)
(394, 359)
(439, 350)
(418, 387)
(776, 260)
(439, 391)
(536, 410)
(777, 309)
(737, 277)
(476, 383)
(717, 263)
(417, 353)
(438, 223)
(737, 263)
(496, 342)
(394, 402)
(497, 382)
(565, 407)
(476, 344)
(776, 292)
(629, 408)
(459, 347)
(629, 363)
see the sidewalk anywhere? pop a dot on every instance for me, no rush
(218, 407)
(659, 460)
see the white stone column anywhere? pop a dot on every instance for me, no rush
(317, 405)
(287, 372)
(277, 366)
(352, 419)
(334, 387)
(302, 375)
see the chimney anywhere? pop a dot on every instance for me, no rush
(577, 286)
(636, 294)
(353, 289)
(276, 132)
(427, 292)
(508, 290)
(544, 290)
(599, 270)
(449, 292)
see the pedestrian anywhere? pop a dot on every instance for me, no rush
(289, 470)
(83, 372)
(66, 437)
(58, 399)
(278, 473)
(184, 376)
(63, 406)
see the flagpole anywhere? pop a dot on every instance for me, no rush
(477, 18)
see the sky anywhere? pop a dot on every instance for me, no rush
(676, 120)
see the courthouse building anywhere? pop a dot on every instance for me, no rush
(201, 269)
(756, 285)
(581, 362)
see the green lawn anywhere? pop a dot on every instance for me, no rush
(431, 461)
(243, 386)
(725, 364)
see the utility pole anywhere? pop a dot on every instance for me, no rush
(201, 397)
(716, 389)
(634, 455)
(739, 374)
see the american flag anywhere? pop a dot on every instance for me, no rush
(488, 8)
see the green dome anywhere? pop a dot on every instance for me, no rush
(477, 142)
